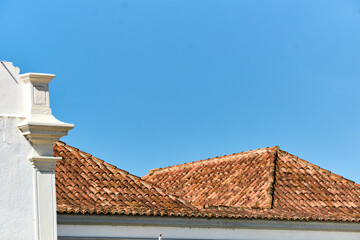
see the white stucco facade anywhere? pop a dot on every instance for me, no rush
(27, 133)
(16, 178)
(12, 91)
(16, 173)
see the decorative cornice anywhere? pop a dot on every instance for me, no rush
(37, 77)
(45, 164)
(37, 132)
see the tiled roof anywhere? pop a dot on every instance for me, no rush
(86, 184)
(267, 183)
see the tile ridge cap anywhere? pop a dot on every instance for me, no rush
(271, 189)
(188, 164)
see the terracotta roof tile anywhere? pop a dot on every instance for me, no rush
(86, 184)
(262, 184)
(266, 183)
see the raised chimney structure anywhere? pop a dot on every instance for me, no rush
(28, 131)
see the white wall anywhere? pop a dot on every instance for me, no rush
(12, 91)
(16, 178)
(28, 131)
(16, 173)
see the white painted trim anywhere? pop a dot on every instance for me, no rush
(37, 77)
(45, 164)
(42, 129)
(115, 220)
(45, 204)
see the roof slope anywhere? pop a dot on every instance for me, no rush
(86, 184)
(265, 183)
(241, 180)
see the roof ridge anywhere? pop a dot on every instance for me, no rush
(152, 171)
(272, 173)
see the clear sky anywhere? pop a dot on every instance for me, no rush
(153, 83)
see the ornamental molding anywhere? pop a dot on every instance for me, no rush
(45, 164)
(42, 130)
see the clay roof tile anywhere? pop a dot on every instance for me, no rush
(266, 183)
(85, 184)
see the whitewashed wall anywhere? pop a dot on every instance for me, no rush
(28, 131)
(16, 173)
(12, 91)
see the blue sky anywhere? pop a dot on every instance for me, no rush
(152, 83)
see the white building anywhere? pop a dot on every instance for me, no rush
(261, 194)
